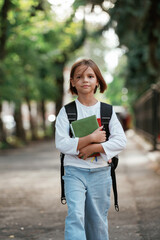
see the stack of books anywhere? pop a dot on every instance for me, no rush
(84, 127)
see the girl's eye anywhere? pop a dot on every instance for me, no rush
(78, 77)
(90, 76)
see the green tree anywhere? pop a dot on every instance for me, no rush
(35, 47)
(23, 57)
(4, 25)
(137, 24)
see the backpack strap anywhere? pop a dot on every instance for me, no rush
(106, 114)
(71, 111)
(63, 198)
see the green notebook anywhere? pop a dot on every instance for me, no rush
(84, 126)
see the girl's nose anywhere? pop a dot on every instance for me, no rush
(85, 79)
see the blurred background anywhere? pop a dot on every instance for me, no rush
(39, 42)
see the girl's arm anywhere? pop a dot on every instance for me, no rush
(110, 148)
(116, 141)
(97, 136)
(64, 143)
(91, 148)
(68, 145)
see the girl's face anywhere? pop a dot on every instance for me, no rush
(84, 80)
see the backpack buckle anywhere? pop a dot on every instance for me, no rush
(117, 207)
(105, 120)
(63, 200)
(72, 116)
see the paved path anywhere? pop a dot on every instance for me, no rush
(30, 206)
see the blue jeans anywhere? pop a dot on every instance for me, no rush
(88, 199)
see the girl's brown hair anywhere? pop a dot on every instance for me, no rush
(88, 63)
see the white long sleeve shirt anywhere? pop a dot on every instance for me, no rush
(67, 145)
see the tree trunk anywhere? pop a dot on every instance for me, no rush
(59, 101)
(20, 132)
(60, 83)
(2, 130)
(3, 38)
(43, 112)
(32, 122)
(153, 18)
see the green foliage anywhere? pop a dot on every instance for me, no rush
(26, 55)
(115, 88)
(36, 50)
(137, 25)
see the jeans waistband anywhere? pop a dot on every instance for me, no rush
(107, 168)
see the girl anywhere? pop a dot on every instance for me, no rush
(87, 182)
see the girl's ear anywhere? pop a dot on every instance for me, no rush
(72, 82)
(97, 84)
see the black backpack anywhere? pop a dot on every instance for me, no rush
(106, 113)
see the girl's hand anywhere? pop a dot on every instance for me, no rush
(86, 151)
(109, 161)
(99, 135)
